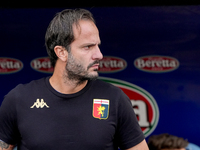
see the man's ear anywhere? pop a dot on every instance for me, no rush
(61, 53)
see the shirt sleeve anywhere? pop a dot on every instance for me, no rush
(8, 120)
(129, 132)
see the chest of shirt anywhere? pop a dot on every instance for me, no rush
(68, 123)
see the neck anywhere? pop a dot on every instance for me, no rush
(63, 84)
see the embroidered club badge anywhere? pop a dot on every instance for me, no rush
(100, 108)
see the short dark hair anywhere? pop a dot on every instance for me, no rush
(60, 30)
(166, 141)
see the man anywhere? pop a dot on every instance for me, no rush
(166, 141)
(72, 109)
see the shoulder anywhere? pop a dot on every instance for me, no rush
(108, 89)
(23, 89)
(105, 85)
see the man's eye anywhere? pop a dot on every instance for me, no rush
(87, 47)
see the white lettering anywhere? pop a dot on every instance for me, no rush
(9, 65)
(140, 110)
(140, 63)
(111, 64)
(148, 63)
(38, 64)
(3, 65)
(16, 65)
(172, 64)
(165, 63)
(120, 64)
(158, 63)
(155, 63)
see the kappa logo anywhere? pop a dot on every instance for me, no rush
(40, 104)
(100, 108)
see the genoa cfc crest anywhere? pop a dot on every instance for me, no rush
(100, 108)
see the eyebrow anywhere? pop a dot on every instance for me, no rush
(90, 44)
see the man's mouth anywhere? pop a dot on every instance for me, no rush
(94, 65)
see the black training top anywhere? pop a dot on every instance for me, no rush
(99, 117)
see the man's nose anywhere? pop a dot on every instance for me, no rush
(97, 54)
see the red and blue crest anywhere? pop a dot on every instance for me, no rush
(101, 108)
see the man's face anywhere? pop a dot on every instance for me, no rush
(84, 55)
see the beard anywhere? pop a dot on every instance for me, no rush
(76, 71)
